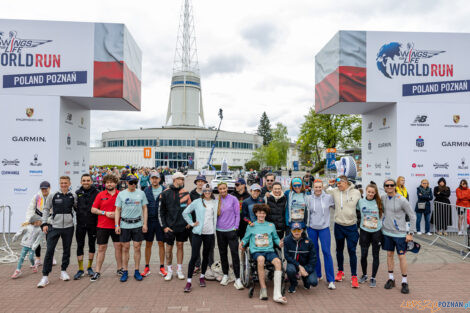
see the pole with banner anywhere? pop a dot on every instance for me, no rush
(330, 161)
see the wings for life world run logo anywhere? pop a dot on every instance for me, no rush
(12, 48)
(397, 59)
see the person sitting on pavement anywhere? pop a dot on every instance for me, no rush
(301, 257)
(261, 237)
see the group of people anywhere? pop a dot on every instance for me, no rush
(260, 219)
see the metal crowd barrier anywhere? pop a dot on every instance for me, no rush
(6, 254)
(451, 226)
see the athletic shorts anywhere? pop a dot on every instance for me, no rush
(392, 243)
(154, 231)
(170, 237)
(461, 210)
(103, 234)
(269, 256)
(131, 234)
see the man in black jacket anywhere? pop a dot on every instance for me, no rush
(173, 201)
(277, 203)
(301, 257)
(86, 224)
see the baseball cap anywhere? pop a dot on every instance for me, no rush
(154, 174)
(255, 187)
(241, 181)
(132, 178)
(200, 177)
(413, 247)
(44, 185)
(206, 187)
(297, 225)
(177, 175)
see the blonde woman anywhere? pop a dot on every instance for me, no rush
(401, 189)
(423, 206)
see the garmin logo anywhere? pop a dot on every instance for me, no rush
(28, 139)
(456, 143)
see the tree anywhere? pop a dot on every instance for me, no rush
(321, 131)
(252, 164)
(275, 153)
(264, 129)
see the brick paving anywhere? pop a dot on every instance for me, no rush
(434, 274)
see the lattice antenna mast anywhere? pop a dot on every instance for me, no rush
(186, 51)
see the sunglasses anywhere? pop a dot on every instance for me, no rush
(237, 184)
(297, 185)
(132, 183)
(270, 180)
(389, 185)
(207, 190)
(296, 230)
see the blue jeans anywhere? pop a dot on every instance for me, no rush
(310, 280)
(25, 252)
(351, 235)
(427, 221)
(325, 240)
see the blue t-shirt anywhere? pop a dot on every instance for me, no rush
(131, 206)
(156, 192)
(297, 210)
(370, 217)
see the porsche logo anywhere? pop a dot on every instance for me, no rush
(29, 112)
(456, 118)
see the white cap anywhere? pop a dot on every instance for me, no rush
(177, 175)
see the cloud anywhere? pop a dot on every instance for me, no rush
(223, 64)
(261, 36)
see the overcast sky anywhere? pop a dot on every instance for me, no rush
(254, 55)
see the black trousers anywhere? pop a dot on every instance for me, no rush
(80, 233)
(66, 234)
(366, 239)
(38, 251)
(227, 239)
(207, 242)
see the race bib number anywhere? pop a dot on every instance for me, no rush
(298, 214)
(262, 240)
(370, 222)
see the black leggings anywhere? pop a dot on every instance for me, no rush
(230, 239)
(207, 242)
(80, 233)
(366, 239)
(38, 251)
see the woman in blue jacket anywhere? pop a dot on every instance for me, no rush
(203, 232)
(423, 206)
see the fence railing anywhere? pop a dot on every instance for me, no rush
(6, 254)
(451, 225)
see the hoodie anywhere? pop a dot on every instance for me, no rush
(393, 221)
(318, 210)
(36, 206)
(300, 252)
(345, 204)
(173, 201)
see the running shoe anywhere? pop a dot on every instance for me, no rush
(35, 269)
(332, 286)
(162, 271)
(202, 282)
(291, 289)
(125, 275)
(363, 279)
(16, 274)
(404, 288)
(169, 276)
(224, 281)
(119, 272)
(79, 275)
(44, 282)
(37, 262)
(90, 272)
(339, 276)
(389, 284)
(95, 277)
(187, 288)
(64, 276)
(429, 234)
(372, 282)
(180, 275)
(354, 283)
(238, 284)
(137, 275)
(419, 233)
(146, 272)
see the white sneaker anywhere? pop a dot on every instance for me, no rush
(224, 281)
(419, 233)
(44, 281)
(332, 286)
(429, 234)
(64, 276)
(180, 275)
(238, 284)
(460, 233)
(169, 276)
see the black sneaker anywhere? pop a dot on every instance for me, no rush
(95, 276)
(79, 275)
(119, 272)
(389, 284)
(404, 288)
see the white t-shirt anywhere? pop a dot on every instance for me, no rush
(208, 226)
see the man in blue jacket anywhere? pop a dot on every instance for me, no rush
(154, 228)
(301, 257)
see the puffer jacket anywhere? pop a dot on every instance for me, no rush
(277, 212)
(300, 252)
(345, 204)
(463, 197)
(424, 195)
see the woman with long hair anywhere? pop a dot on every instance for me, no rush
(228, 220)
(371, 210)
(463, 201)
(423, 206)
(203, 232)
(401, 189)
(442, 213)
(296, 202)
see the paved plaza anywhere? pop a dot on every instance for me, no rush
(435, 274)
